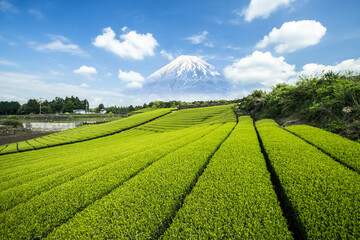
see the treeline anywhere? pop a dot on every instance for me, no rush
(57, 105)
(330, 101)
(69, 104)
(9, 108)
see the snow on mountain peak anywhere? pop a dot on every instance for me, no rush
(186, 66)
(186, 75)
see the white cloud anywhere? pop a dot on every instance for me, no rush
(196, 39)
(260, 68)
(37, 13)
(55, 73)
(84, 85)
(263, 8)
(130, 76)
(232, 48)
(134, 85)
(5, 6)
(134, 79)
(133, 45)
(314, 69)
(8, 63)
(58, 37)
(124, 28)
(85, 70)
(294, 35)
(97, 101)
(60, 44)
(12, 98)
(209, 44)
(166, 54)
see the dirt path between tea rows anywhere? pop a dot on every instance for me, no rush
(21, 136)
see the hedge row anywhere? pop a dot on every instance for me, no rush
(323, 194)
(38, 216)
(53, 159)
(192, 117)
(86, 132)
(46, 155)
(60, 162)
(142, 206)
(28, 162)
(23, 188)
(342, 149)
(234, 198)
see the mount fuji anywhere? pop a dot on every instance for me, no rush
(186, 75)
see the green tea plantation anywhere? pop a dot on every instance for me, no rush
(200, 173)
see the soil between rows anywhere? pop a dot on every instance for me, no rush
(21, 136)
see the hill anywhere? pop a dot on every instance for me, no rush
(200, 173)
(330, 101)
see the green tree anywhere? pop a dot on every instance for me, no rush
(32, 106)
(8, 108)
(45, 107)
(131, 108)
(57, 105)
(101, 106)
(85, 105)
(69, 104)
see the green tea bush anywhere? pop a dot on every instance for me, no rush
(87, 132)
(323, 194)
(342, 149)
(141, 207)
(234, 198)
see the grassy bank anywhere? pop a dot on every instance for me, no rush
(330, 101)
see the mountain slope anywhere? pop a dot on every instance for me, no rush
(186, 74)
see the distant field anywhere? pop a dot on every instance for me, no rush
(80, 119)
(198, 173)
(66, 118)
(83, 133)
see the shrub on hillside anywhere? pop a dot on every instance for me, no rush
(331, 101)
(12, 121)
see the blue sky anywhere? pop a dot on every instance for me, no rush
(63, 48)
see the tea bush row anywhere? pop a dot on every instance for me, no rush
(342, 149)
(324, 194)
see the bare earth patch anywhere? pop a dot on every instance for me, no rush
(21, 136)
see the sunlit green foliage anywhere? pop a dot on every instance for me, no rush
(342, 149)
(30, 219)
(234, 198)
(25, 187)
(43, 189)
(190, 117)
(193, 173)
(330, 101)
(324, 194)
(85, 132)
(141, 207)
